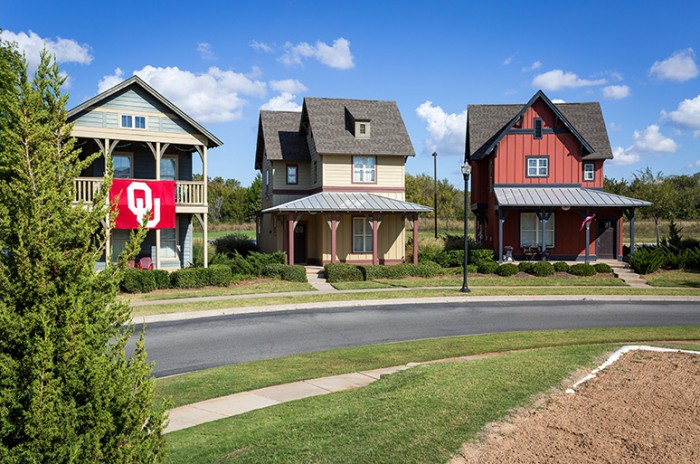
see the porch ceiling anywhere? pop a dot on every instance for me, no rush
(348, 202)
(544, 197)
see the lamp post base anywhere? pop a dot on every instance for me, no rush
(465, 290)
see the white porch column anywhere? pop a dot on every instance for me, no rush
(157, 155)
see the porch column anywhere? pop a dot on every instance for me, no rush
(588, 237)
(157, 155)
(205, 237)
(290, 238)
(543, 216)
(415, 239)
(629, 214)
(502, 215)
(375, 226)
(334, 227)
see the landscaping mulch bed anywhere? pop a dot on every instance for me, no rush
(645, 408)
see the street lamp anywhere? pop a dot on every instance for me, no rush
(435, 190)
(466, 171)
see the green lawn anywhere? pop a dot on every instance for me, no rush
(220, 381)
(214, 234)
(675, 278)
(420, 416)
(244, 288)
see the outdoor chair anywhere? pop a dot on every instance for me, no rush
(146, 263)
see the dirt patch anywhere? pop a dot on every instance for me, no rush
(645, 408)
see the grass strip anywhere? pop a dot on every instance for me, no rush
(684, 279)
(512, 281)
(265, 286)
(226, 380)
(148, 310)
(421, 415)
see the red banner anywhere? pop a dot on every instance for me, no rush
(137, 198)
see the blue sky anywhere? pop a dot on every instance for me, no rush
(222, 61)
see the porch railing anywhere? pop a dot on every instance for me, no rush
(187, 193)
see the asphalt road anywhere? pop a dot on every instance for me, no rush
(191, 345)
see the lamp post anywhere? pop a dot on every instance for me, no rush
(435, 190)
(466, 171)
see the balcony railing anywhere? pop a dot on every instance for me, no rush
(187, 193)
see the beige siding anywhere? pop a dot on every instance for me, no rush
(337, 171)
(137, 135)
(391, 240)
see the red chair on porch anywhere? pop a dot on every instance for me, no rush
(146, 263)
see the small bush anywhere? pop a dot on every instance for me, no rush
(602, 268)
(481, 255)
(674, 258)
(472, 268)
(693, 261)
(342, 272)
(285, 272)
(220, 275)
(162, 279)
(488, 267)
(507, 269)
(190, 277)
(254, 263)
(235, 243)
(401, 271)
(451, 258)
(138, 281)
(561, 266)
(647, 260)
(542, 269)
(582, 269)
(427, 269)
(526, 266)
(429, 248)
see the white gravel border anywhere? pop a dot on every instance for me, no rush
(618, 354)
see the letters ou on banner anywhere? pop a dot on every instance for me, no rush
(137, 198)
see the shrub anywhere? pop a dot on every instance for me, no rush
(451, 258)
(162, 279)
(488, 267)
(673, 258)
(693, 261)
(220, 275)
(481, 255)
(429, 248)
(342, 272)
(401, 271)
(507, 269)
(190, 277)
(561, 266)
(526, 266)
(647, 260)
(254, 263)
(542, 269)
(582, 269)
(602, 268)
(138, 281)
(472, 268)
(235, 243)
(427, 269)
(285, 272)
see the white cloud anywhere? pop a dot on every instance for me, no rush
(507, 61)
(558, 79)
(650, 141)
(532, 67)
(447, 131)
(214, 96)
(617, 92)
(336, 56)
(107, 82)
(65, 50)
(288, 86)
(205, 51)
(687, 115)
(283, 102)
(558, 100)
(679, 67)
(261, 46)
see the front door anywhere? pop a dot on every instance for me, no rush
(606, 239)
(300, 243)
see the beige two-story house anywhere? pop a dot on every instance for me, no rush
(333, 182)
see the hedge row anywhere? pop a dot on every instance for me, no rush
(144, 280)
(343, 272)
(285, 272)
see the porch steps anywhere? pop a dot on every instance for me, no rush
(623, 272)
(317, 278)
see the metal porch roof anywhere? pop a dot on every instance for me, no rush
(348, 202)
(538, 197)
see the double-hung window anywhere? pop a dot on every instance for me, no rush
(531, 232)
(361, 235)
(364, 169)
(292, 172)
(537, 166)
(588, 172)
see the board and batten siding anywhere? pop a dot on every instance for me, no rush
(391, 240)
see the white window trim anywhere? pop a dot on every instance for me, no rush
(363, 171)
(290, 168)
(367, 239)
(538, 233)
(586, 172)
(540, 162)
(131, 162)
(133, 121)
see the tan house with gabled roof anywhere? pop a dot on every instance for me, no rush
(333, 182)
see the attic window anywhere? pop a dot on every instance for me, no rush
(362, 129)
(130, 121)
(538, 128)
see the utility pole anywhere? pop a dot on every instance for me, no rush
(435, 210)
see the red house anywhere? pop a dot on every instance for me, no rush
(537, 181)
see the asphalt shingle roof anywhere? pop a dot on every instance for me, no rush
(555, 197)
(280, 136)
(348, 202)
(485, 123)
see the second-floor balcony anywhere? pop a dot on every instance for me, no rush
(189, 195)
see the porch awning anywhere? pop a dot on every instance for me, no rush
(554, 197)
(348, 202)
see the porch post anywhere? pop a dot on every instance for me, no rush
(375, 255)
(157, 156)
(501, 220)
(588, 237)
(205, 237)
(415, 239)
(334, 226)
(290, 238)
(629, 214)
(543, 217)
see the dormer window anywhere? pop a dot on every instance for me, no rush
(362, 129)
(130, 121)
(538, 128)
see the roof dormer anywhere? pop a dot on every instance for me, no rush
(362, 129)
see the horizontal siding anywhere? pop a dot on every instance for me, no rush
(135, 99)
(279, 176)
(337, 171)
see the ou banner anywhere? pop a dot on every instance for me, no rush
(138, 198)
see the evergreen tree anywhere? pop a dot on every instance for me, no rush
(68, 391)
